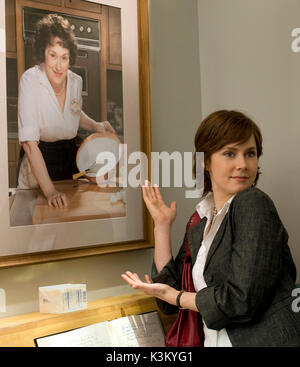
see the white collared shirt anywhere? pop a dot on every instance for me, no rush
(39, 114)
(213, 338)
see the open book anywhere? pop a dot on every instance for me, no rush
(131, 331)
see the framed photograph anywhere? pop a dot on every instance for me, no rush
(58, 106)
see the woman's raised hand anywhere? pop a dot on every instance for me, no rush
(160, 212)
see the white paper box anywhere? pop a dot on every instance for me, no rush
(62, 298)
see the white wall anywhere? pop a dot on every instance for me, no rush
(175, 95)
(247, 63)
(175, 91)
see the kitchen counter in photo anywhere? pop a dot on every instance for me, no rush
(85, 201)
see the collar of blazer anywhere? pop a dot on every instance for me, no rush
(195, 234)
(195, 237)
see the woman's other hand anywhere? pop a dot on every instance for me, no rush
(57, 199)
(158, 290)
(89, 124)
(160, 212)
(105, 126)
(54, 198)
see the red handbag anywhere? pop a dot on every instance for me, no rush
(187, 330)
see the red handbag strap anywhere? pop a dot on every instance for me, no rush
(194, 219)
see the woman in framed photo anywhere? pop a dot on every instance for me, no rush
(50, 111)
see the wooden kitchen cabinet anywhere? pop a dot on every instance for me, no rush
(13, 159)
(83, 5)
(50, 2)
(12, 109)
(114, 59)
(10, 21)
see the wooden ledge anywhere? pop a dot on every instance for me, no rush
(21, 330)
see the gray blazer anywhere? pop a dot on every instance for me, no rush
(249, 272)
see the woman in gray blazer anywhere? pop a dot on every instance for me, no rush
(243, 271)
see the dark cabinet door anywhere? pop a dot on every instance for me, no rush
(83, 5)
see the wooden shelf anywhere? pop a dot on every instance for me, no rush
(20, 331)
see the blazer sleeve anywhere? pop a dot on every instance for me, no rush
(171, 275)
(258, 238)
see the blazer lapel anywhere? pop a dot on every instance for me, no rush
(216, 241)
(195, 236)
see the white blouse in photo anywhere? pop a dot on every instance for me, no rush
(39, 114)
(213, 338)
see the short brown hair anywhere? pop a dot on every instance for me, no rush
(221, 128)
(51, 26)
